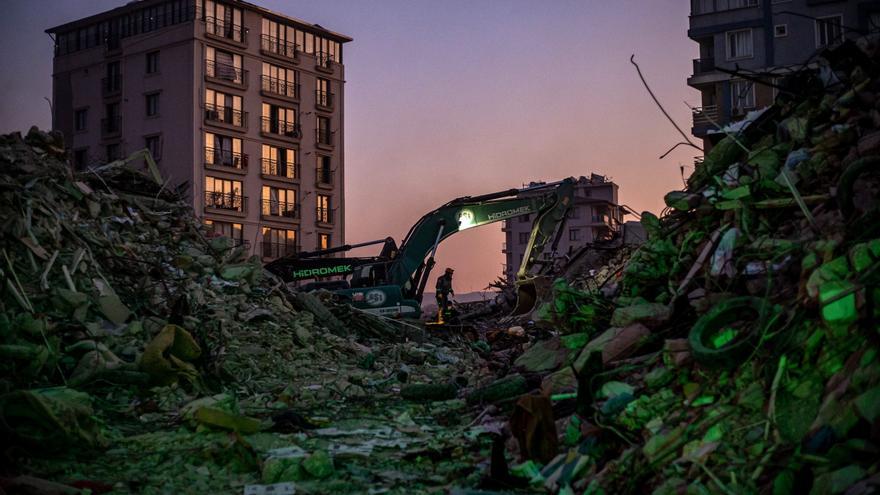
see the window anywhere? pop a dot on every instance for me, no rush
(222, 107)
(324, 134)
(152, 104)
(223, 194)
(322, 93)
(739, 44)
(279, 120)
(574, 234)
(224, 151)
(324, 171)
(278, 242)
(742, 96)
(154, 144)
(152, 62)
(223, 20)
(280, 39)
(524, 218)
(112, 152)
(80, 158)
(223, 65)
(323, 209)
(780, 30)
(829, 30)
(80, 119)
(279, 202)
(232, 231)
(280, 162)
(323, 241)
(280, 81)
(524, 237)
(113, 81)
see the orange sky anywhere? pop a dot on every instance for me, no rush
(456, 97)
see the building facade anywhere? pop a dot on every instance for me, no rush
(594, 216)
(761, 41)
(243, 104)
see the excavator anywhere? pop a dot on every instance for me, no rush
(393, 282)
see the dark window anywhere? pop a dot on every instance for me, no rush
(152, 104)
(112, 152)
(154, 144)
(80, 158)
(574, 234)
(152, 62)
(80, 119)
(523, 218)
(523, 237)
(325, 173)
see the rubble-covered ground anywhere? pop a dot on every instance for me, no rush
(735, 352)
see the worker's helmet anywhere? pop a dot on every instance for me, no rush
(449, 270)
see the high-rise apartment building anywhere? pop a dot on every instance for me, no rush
(595, 215)
(243, 104)
(761, 41)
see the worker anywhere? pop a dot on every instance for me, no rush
(444, 289)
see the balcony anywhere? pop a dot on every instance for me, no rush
(324, 138)
(275, 127)
(704, 65)
(277, 87)
(226, 160)
(324, 100)
(225, 74)
(225, 116)
(324, 62)
(323, 215)
(229, 203)
(324, 178)
(111, 85)
(705, 118)
(277, 249)
(279, 170)
(699, 7)
(226, 31)
(111, 127)
(274, 208)
(279, 48)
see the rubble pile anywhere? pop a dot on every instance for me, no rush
(143, 354)
(741, 354)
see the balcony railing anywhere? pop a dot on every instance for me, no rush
(277, 249)
(324, 60)
(705, 115)
(225, 115)
(224, 29)
(709, 6)
(226, 158)
(324, 215)
(324, 177)
(284, 209)
(324, 99)
(280, 127)
(277, 46)
(233, 242)
(111, 84)
(324, 136)
(111, 126)
(226, 72)
(703, 65)
(226, 201)
(279, 169)
(279, 87)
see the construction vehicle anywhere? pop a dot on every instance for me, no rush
(392, 283)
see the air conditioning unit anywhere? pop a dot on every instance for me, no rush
(289, 213)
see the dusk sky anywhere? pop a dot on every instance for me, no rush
(452, 98)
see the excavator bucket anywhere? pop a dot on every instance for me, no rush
(531, 292)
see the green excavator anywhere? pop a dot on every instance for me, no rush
(393, 282)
